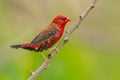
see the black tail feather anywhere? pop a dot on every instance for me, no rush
(16, 46)
(27, 47)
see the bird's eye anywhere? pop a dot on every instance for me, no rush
(63, 18)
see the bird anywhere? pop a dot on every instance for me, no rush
(48, 36)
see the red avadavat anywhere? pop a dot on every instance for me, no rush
(48, 36)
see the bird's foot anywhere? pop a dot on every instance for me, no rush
(45, 59)
(56, 49)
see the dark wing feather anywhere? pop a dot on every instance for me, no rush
(44, 36)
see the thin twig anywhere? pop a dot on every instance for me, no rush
(44, 65)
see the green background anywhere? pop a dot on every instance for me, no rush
(93, 50)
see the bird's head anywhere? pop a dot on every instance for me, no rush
(61, 20)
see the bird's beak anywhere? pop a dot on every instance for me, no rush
(68, 20)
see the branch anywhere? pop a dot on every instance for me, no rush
(44, 65)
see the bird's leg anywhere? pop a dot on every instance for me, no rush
(53, 48)
(45, 59)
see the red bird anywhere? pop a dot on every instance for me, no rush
(48, 36)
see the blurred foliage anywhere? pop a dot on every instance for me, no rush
(92, 53)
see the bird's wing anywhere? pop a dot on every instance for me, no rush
(45, 34)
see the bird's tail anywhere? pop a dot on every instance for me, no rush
(25, 45)
(16, 46)
(28, 46)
